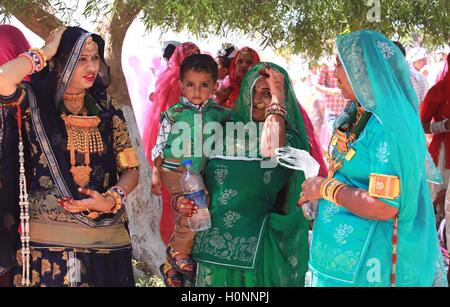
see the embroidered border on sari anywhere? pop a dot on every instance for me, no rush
(255, 255)
(45, 145)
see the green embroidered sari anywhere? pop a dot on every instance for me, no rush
(258, 236)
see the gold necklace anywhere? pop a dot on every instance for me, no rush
(74, 102)
(342, 141)
(84, 137)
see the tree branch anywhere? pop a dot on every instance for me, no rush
(113, 30)
(35, 18)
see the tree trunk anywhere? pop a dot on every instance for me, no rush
(144, 210)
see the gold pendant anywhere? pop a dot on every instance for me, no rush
(350, 154)
(342, 141)
(81, 175)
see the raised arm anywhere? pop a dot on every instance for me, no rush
(14, 71)
(273, 135)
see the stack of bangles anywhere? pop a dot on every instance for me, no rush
(276, 108)
(119, 196)
(37, 59)
(330, 188)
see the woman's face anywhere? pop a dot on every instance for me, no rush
(243, 64)
(343, 82)
(261, 99)
(87, 69)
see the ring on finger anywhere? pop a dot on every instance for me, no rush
(181, 206)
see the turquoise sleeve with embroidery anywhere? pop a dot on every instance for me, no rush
(380, 158)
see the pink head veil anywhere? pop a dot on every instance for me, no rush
(12, 43)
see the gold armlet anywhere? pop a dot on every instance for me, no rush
(384, 186)
(127, 159)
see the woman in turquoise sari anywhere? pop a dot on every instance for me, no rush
(375, 224)
(258, 236)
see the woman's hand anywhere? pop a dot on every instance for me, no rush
(186, 206)
(95, 202)
(276, 85)
(310, 190)
(52, 42)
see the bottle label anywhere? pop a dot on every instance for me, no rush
(198, 197)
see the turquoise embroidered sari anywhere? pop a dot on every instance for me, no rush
(348, 250)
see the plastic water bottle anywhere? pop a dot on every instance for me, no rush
(194, 189)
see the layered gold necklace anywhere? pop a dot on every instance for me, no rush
(344, 140)
(83, 137)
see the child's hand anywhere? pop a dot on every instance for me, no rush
(156, 188)
(156, 182)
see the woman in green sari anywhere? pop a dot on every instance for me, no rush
(258, 236)
(375, 224)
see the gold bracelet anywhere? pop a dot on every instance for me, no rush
(117, 200)
(335, 192)
(330, 189)
(324, 187)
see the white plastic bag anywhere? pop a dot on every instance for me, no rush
(300, 160)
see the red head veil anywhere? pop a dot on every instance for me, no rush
(236, 84)
(436, 106)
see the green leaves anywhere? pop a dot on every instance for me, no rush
(307, 26)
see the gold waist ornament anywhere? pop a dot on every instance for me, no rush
(83, 137)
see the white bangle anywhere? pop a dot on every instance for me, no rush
(439, 127)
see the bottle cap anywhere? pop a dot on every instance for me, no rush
(187, 162)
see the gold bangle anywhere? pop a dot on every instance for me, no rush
(330, 188)
(335, 192)
(324, 187)
(117, 200)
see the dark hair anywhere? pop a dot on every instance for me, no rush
(225, 62)
(226, 52)
(168, 51)
(400, 46)
(199, 63)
